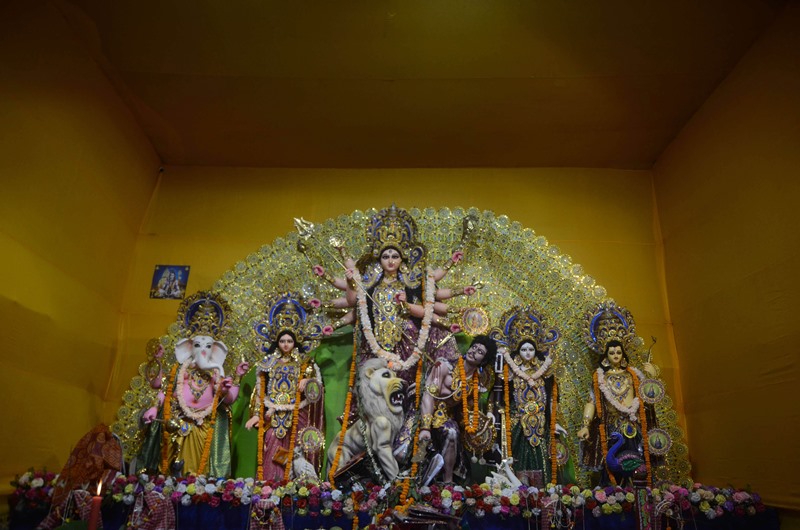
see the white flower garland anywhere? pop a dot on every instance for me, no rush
(197, 415)
(395, 361)
(519, 372)
(633, 410)
(273, 407)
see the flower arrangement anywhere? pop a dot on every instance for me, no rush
(571, 503)
(33, 490)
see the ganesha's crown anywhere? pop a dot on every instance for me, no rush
(392, 227)
(204, 313)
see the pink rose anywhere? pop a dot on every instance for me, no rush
(327, 330)
(600, 495)
(457, 256)
(319, 270)
(741, 496)
(455, 328)
(314, 302)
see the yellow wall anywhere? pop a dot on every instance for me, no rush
(727, 192)
(77, 175)
(210, 218)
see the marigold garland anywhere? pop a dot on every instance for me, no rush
(345, 418)
(470, 422)
(355, 511)
(414, 466)
(261, 425)
(293, 435)
(167, 416)
(553, 444)
(207, 445)
(507, 393)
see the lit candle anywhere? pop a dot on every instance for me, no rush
(94, 516)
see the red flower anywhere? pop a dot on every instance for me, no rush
(301, 503)
(287, 501)
(213, 501)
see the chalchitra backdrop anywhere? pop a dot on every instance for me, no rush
(515, 265)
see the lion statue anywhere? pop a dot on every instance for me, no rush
(381, 397)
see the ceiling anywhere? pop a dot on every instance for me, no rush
(416, 83)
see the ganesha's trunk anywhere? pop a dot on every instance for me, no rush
(212, 366)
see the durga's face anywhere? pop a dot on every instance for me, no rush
(390, 260)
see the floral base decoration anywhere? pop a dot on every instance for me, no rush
(33, 490)
(373, 506)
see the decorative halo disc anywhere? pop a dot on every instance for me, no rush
(562, 452)
(311, 439)
(475, 321)
(659, 441)
(651, 391)
(313, 391)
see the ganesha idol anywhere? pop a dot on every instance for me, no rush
(189, 427)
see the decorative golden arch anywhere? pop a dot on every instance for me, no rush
(516, 265)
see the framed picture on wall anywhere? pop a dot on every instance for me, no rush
(169, 282)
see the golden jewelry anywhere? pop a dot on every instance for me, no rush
(427, 420)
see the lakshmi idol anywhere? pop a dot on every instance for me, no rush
(286, 404)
